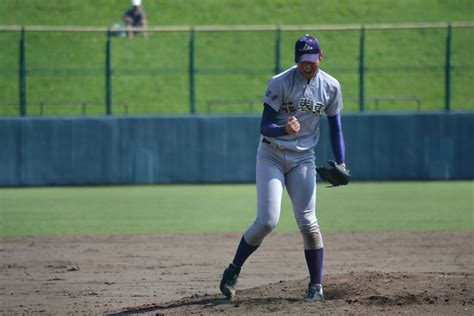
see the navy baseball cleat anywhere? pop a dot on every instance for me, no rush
(314, 293)
(229, 280)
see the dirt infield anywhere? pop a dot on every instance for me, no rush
(365, 273)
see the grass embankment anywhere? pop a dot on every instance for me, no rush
(151, 76)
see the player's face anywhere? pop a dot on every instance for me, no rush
(308, 69)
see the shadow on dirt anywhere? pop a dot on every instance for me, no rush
(208, 303)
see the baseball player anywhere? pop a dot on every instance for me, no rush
(294, 102)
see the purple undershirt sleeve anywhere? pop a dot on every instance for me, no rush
(337, 139)
(267, 126)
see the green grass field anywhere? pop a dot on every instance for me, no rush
(361, 206)
(152, 75)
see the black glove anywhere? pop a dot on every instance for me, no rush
(336, 175)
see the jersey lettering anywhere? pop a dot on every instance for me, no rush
(307, 105)
(318, 108)
(288, 107)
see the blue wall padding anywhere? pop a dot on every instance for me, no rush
(213, 149)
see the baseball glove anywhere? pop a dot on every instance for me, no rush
(336, 175)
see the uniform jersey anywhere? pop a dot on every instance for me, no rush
(291, 94)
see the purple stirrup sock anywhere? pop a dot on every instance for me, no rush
(314, 260)
(243, 252)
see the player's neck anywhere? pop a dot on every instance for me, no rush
(308, 77)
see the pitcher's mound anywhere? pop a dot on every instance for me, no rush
(358, 293)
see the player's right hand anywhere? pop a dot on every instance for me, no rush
(292, 125)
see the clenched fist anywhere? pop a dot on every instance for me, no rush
(292, 125)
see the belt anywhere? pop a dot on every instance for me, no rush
(266, 141)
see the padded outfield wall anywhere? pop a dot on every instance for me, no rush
(213, 149)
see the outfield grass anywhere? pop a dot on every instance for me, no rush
(152, 75)
(361, 206)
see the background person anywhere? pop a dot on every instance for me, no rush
(135, 17)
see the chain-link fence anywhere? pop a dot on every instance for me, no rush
(182, 69)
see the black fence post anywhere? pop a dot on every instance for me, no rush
(278, 51)
(192, 92)
(108, 76)
(447, 72)
(22, 74)
(362, 70)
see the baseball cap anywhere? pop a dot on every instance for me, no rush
(307, 49)
(136, 2)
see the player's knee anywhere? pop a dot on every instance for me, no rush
(309, 226)
(268, 226)
(312, 237)
(258, 231)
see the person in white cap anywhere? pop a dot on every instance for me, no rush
(135, 17)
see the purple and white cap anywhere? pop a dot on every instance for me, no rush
(307, 49)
